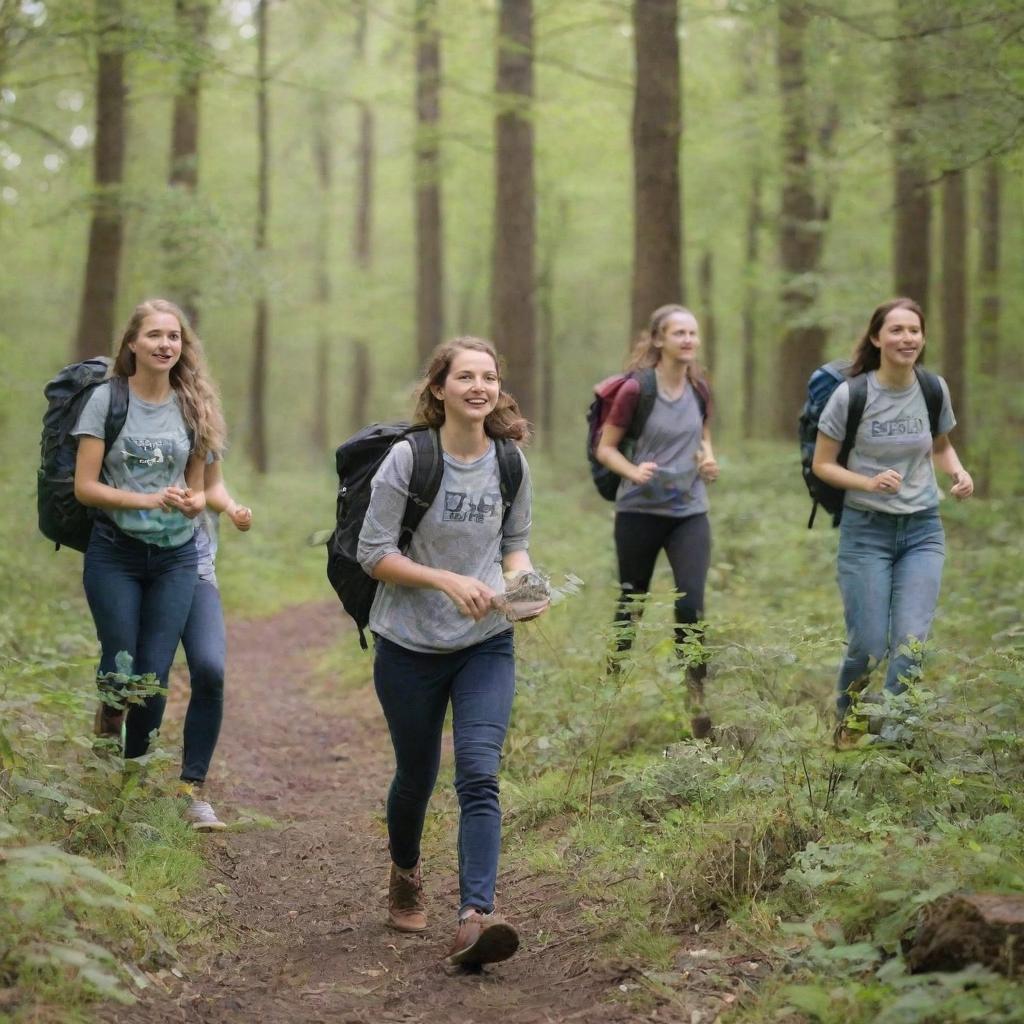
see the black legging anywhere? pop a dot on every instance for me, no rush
(639, 536)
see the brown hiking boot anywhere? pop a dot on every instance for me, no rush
(406, 912)
(108, 721)
(482, 939)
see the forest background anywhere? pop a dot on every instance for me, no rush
(333, 187)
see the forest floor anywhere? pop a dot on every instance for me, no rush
(293, 912)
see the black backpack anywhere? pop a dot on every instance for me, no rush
(62, 518)
(357, 461)
(605, 480)
(820, 386)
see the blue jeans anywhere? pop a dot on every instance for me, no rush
(139, 596)
(890, 571)
(414, 690)
(205, 647)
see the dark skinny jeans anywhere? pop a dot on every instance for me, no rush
(205, 647)
(414, 690)
(139, 595)
(639, 537)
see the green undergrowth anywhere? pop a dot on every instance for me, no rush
(818, 861)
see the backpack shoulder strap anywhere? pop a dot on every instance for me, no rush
(858, 399)
(424, 482)
(510, 472)
(702, 391)
(117, 411)
(648, 381)
(931, 388)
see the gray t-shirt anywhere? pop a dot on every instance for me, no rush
(149, 454)
(460, 532)
(893, 434)
(671, 437)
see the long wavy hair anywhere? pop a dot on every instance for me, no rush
(646, 354)
(867, 356)
(505, 420)
(197, 394)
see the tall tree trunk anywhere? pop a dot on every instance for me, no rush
(192, 17)
(988, 276)
(513, 315)
(429, 233)
(755, 218)
(954, 296)
(801, 222)
(362, 238)
(912, 198)
(361, 385)
(990, 223)
(95, 333)
(709, 327)
(548, 329)
(657, 131)
(322, 275)
(260, 339)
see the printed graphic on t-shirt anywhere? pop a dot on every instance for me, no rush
(668, 485)
(900, 427)
(460, 507)
(146, 460)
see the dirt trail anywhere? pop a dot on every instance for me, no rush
(301, 906)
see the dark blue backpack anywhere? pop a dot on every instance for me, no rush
(820, 386)
(357, 461)
(62, 518)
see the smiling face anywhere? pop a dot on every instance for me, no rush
(679, 338)
(900, 340)
(471, 389)
(157, 345)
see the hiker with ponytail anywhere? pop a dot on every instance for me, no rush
(662, 501)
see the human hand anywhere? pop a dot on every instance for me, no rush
(188, 502)
(963, 485)
(469, 595)
(241, 516)
(707, 466)
(886, 482)
(643, 472)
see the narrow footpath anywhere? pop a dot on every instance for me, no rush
(300, 907)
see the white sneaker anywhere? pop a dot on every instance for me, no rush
(202, 815)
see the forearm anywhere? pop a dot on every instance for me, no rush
(517, 561)
(94, 494)
(841, 477)
(219, 500)
(945, 458)
(403, 571)
(615, 461)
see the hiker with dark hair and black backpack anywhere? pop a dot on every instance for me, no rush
(655, 437)
(891, 541)
(439, 637)
(145, 484)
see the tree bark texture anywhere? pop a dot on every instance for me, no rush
(755, 219)
(362, 248)
(95, 333)
(954, 296)
(912, 196)
(989, 266)
(362, 384)
(708, 325)
(801, 222)
(657, 132)
(322, 276)
(513, 311)
(260, 340)
(192, 17)
(429, 224)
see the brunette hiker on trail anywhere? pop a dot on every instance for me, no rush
(662, 501)
(891, 541)
(439, 639)
(204, 644)
(140, 569)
